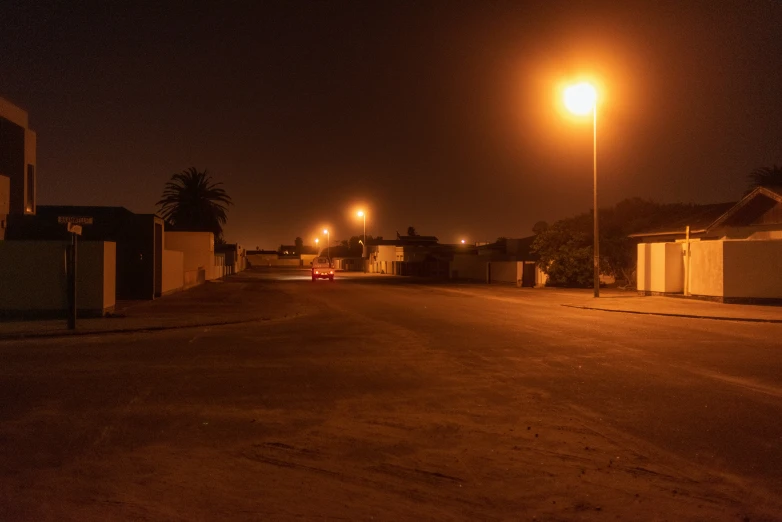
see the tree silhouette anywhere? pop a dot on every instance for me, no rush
(765, 177)
(192, 201)
(411, 231)
(298, 244)
(540, 226)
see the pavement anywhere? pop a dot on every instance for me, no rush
(225, 302)
(214, 303)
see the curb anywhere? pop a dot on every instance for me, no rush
(687, 316)
(81, 333)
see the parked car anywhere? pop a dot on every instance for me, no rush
(322, 269)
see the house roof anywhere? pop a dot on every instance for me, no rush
(698, 217)
(750, 206)
(702, 218)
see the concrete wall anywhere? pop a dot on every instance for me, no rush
(719, 268)
(30, 144)
(507, 272)
(468, 266)
(386, 253)
(5, 196)
(5, 203)
(706, 268)
(173, 271)
(752, 269)
(660, 267)
(197, 249)
(382, 258)
(350, 264)
(194, 277)
(96, 276)
(33, 279)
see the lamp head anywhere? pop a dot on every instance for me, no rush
(580, 99)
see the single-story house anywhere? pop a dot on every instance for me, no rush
(729, 252)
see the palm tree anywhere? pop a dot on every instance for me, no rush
(192, 201)
(765, 177)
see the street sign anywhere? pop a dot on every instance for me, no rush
(75, 229)
(76, 220)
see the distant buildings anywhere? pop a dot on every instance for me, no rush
(508, 261)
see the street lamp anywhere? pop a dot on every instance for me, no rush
(328, 245)
(361, 214)
(316, 246)
(581, 99)
(462, 241)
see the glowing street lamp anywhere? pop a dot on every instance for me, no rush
(462, 241)
(316, 246)
(581, 99)
(328, 245)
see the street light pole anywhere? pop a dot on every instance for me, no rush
(328, 245)
(363, 214)
(594, 171)
(581, 99)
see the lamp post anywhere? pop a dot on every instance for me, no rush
(316, 247)
(581, 99)
(328, 245)
(361, 214)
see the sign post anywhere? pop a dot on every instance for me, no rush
(73, 224)
(72, 282)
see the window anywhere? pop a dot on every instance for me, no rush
(29, 204)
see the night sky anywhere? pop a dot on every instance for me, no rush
(443, 115)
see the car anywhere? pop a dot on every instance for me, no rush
(322, 269)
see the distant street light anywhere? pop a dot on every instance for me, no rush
(462, 241)
(581, 99)
(328, 245)
(316, 246)
(361, 214)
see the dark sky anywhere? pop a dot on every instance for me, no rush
(441, 115)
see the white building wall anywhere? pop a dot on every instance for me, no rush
(706, 268)
(660, 268)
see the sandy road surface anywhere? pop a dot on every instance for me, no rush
(380, 399)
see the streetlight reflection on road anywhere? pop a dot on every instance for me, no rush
(581, 99)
